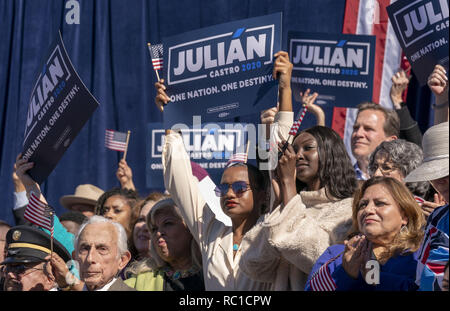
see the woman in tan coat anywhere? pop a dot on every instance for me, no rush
(314, 181)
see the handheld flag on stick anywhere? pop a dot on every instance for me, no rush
(156, 54)
(117, 141)
(126, 149)
(294, 129)
(238, 157)
(41, 214)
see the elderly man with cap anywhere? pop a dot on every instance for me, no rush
(433, 253)
(26, 267)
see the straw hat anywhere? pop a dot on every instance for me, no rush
(435, 155)
(84, 194)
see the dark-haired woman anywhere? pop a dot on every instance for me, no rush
(120, 205)
(315, 181)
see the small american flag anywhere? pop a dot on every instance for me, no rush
(322, 280)
(296, 125)
(237, 158)
(156, 53)
(116, 140)
(39, 213)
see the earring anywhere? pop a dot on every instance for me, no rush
(404, 229)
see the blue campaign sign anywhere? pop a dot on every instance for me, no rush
(223, 71)
(60, 104)
(210, 146)
(337, 66)
(421, 28)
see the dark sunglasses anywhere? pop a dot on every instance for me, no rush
(239, 187)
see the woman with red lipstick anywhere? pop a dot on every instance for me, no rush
(242, 192)
(387, 229)
(314, 181)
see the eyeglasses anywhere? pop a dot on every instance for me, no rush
(20, 269)
(385, 168)
(239, 187)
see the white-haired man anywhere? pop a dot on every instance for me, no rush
(101, 250)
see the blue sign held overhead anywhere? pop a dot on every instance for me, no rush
(337, 66)
(421, 28)
(223, 71)
(208, 147)
(60, 104)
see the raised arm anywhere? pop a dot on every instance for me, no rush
(309, 99)
(125, 175)
(438, 83)
(179, 180)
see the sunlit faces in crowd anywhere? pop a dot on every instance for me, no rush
(368, 132)
(141, 234)
(383, 167)
(101, 251)
(117, 209)
(306, 148)
(170, 237)
(120, 205)
(386, 213)
(379, 216)
(241, 201)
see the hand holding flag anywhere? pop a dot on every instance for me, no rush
(156, 54)
(117, 141)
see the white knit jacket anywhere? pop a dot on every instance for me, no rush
(283, 246)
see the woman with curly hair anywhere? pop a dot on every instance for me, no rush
(120, 205)
(314, 181)
(387, 229)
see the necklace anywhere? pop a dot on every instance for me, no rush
(180, 274)
(235, 247)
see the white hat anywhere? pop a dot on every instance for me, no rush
(435, 155)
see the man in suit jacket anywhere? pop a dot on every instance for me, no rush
(101, 250)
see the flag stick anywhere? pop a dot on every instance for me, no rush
(51, 237)
(156, 71)
(126, 149)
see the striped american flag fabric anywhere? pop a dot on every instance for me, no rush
(419, 200)
(237, 158)
(116, 140)
(298, 122)
(39, 213)
(322, 280)
(156, 53)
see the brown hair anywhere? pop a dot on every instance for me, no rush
(405, 241)
(391, 124)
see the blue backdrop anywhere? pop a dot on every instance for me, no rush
(109, 50)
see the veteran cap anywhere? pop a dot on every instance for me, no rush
(29, 244)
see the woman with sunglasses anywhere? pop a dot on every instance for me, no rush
(315, 181)
(242, 192)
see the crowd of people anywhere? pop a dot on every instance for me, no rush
(313, 222)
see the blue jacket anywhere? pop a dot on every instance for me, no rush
(397, 274)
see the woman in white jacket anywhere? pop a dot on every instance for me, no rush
(315, 181)
(242, 195)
